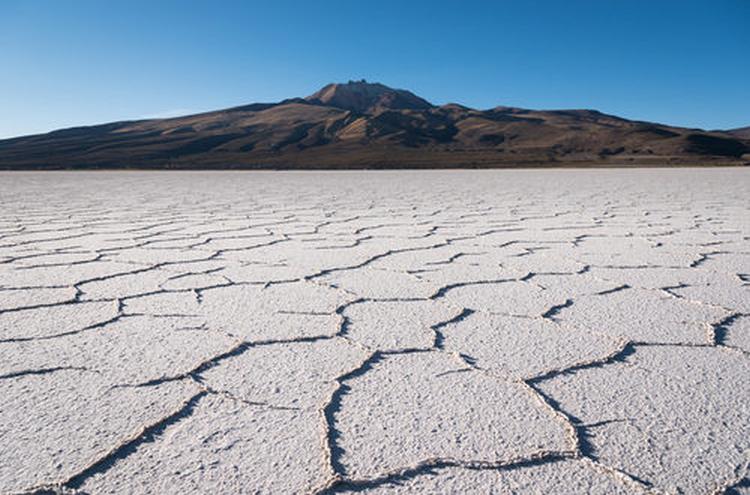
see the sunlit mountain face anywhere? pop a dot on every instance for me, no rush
(369, 125)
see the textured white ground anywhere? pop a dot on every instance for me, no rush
(379, 332)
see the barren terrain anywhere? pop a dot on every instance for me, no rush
(379, 332)
(360, 125)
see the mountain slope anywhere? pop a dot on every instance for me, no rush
(364, 97)
(358, 125)
(740, 132)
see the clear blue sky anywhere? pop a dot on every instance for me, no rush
(71, 62)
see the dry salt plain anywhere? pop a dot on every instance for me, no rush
(377, 332)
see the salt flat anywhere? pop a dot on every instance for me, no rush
(555, 331)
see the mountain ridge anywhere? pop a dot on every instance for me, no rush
(741, 132)
(363, 97)
(370, 125)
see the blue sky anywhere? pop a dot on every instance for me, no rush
(66, 63)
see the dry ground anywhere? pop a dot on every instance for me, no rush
(383, 332)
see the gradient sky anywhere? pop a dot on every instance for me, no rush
(65, 63)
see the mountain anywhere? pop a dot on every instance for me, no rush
(740, 132)
(367, 98)
(369, 125)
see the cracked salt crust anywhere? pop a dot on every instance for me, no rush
(182, 304)
(396, 325)
(643, 316)
(62, 275)
(54, 425)
(735, 261)
(287, 375)
(51, 321)
(390, 419)
(648, 278)
(393, 332)
(657, 398)
(738, 333)
(14, 299)
(380, 284)
(278, 312)
(223, 447)
(562, 478)
(727, 294)
(515, 348)
(506, 297)
(130, 351)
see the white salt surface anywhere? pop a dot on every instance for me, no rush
(552, 331)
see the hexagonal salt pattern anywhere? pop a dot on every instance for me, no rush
(553, 331)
